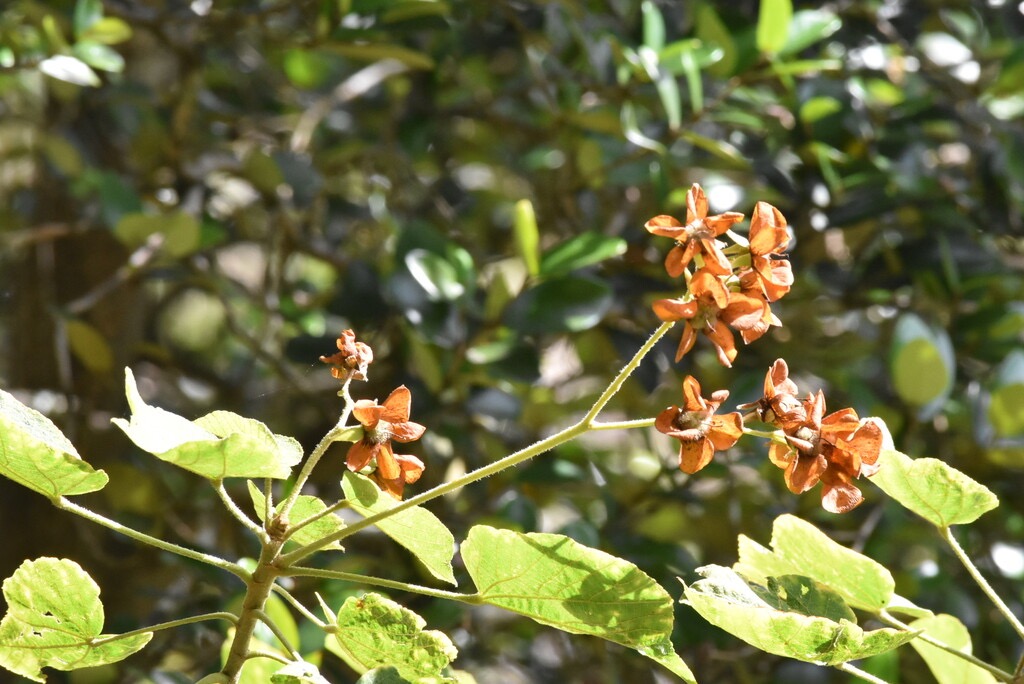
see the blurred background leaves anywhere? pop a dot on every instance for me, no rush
(211, 192)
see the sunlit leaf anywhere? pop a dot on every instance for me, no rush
(581, 250)
(934, 490)
(54, 616)
(178, 232)
(373, 631)
(527, 235)
(298, 673)
(727, 601)
(69, 69)
(817, 108)
(800, 548)
(36, 454)
(218, 445)
(922, 364)
(107, 31)
(417, 529)
(90, 347)
(654, 25)
(559, 582)
(773, 20)
(86, 14)
(305, 507)
(809, 27)
(435, 275)
(711, 31)
(946, 667)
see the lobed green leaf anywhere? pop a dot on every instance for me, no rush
(558, 582)
(36, 454)
(937, 492)
(800, 548)
(53, 617)
(946, 667)
(373, 631)
(218, 445)
(417, 529)
(726, 600)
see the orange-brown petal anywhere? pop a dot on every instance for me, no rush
(686, 342)
(360, 454)
(666, 226)
(412, 467)
(723, 222)
(679, 257)
(781, 455)
(696, 203)
(804, 472)
(715, 260)
(768, 232)
(407, 431)
(725, 345)
(367, 412)
(396, 406)
(839, 494)
(674, 309)
(706, 283)
(386, 464)
(694, 455)
(726, 430)
(691, 394)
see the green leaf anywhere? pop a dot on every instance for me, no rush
(1006, 401)
(809, 27)
(801, 594)
(946, 667)
(800, 548)
(773, 21)
(107, 31)
(568, 303)
(559, 582)
(937, 492)
(817, 108)
(665, 83)
(720, 148)
(99, 56)
(298, 673)
(89, 346)
(417, 529)
(527, 235)
(631, 129)
(69, 69)
(373, 52)
(87, 13)
(582, 250)
(711, 31)
(54, 615)
(179, 231)
(36, 454)
(654, 25)
(922, 364)
(725, 600)
(305, 507)
(219, 445)
(382, 675)
(373, 631)
(435, 275)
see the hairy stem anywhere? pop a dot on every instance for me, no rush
(230, 617)
(301, 571)
(859, 673)
(240, 516)
(306, 612)
(567, 434)
(259, 587)
(972, 570)
(996, 672)
(235, 569)
(288, 646)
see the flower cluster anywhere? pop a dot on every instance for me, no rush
(833, 449)
(351, 359)
(381, 423)
(700, 432)
(724, 291)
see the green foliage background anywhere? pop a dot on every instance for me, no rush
(257, 176)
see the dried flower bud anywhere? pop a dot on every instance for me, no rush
(352, 358)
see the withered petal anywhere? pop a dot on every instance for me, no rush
(693, 456)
